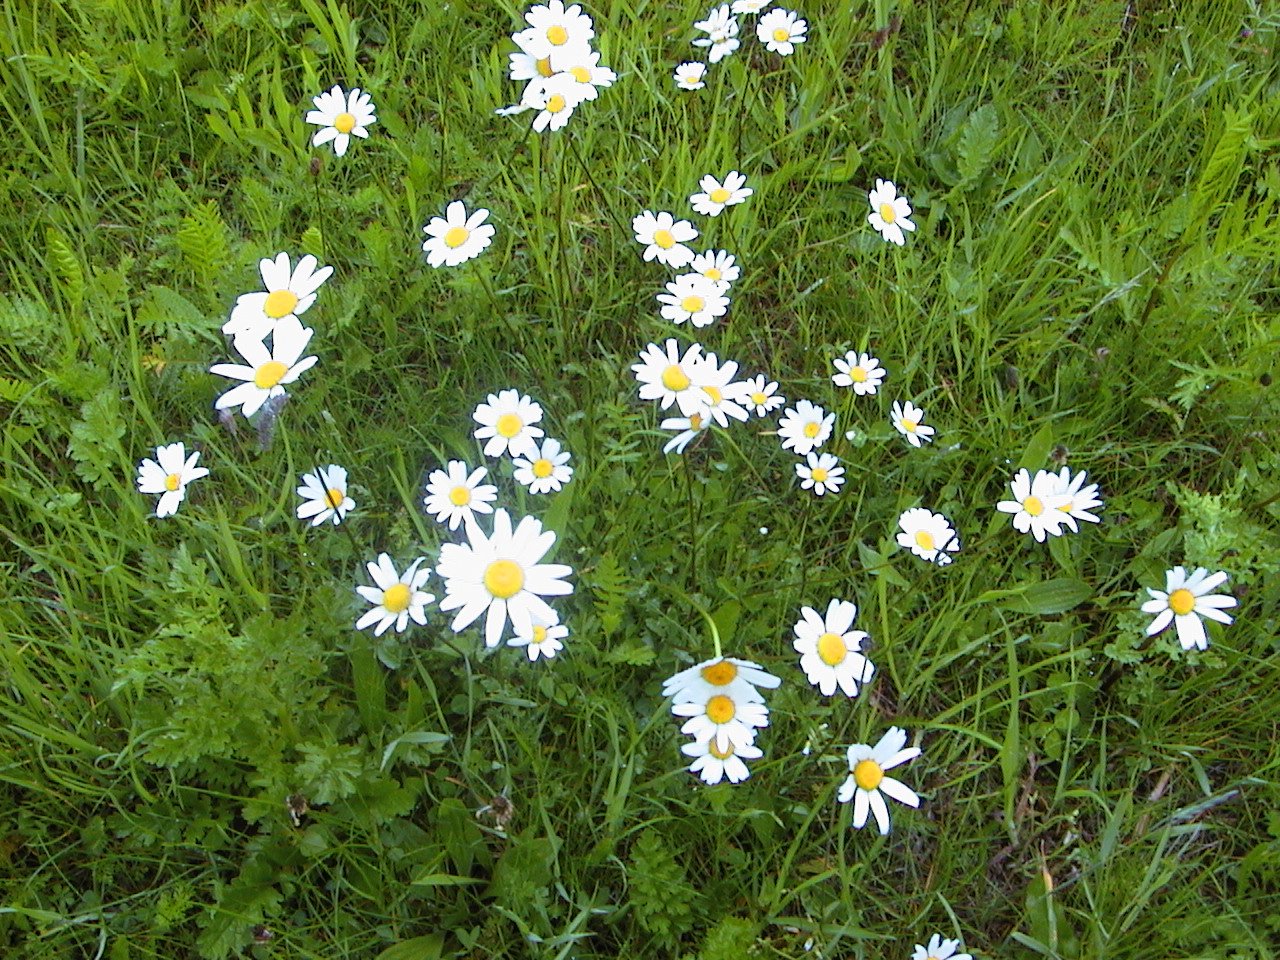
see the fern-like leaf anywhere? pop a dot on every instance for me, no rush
(65, 264)
(978, 142)
(610, 588)
(202, 238)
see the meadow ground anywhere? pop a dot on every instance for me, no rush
(202, 757)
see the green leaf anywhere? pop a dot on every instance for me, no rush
(442, 880)
(978, 142)
(419, 948)
(1046, 597)
(1037, 450)
(416, 738)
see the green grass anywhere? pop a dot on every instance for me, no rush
(1093, 279)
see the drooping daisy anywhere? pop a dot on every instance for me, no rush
(867, 786)
(830, 651)
(542, 639)
(762, 394)
(543, 469)
(454, 495)
(805, 427)
(890, 213)
(719, 392)
(456, 237)
(928, 535)
(665, 238)
(341, 117)
(721, 29)
(728, 675)
(821, 474)
(908, 420)
(1081, 500)
(1184, 600)
(780, 30)
(507, 422)
(268, 370)
(713, 764)
(715, 196)
(667, 376)
(324, 496)
(693, 297)
(939, 949)
(691, 76)
(723, 719)
(553, 25)
(718, 265)
(396, 599)
(168, 475)
(500, 575)
(688, 427)
(749, 6)
(860, 371)
(289, 292)
(1036, 508)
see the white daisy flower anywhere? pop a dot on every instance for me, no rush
(723, 719)
(1081, 499)
(890, 213)
(268, 370)
(553, 26)
(689, 428)
(721, 29)
(1184, 600)
(507, 423)
(524, 66)
(780, 30)
(860, 371)
(716, 196)
(693, 297)
(555, 99)
(665, 238)
(691, 76)
(867, 786)
(396, 598)
(1036, 508)
(908, 420)
(718, 265)
(542, 639)
(454, 495)
(713, 764)
(666, 376)
(928, 535)
(939, 949)
(543, 469)
(341, 117)
(805, 427)
(324, 496)
(749, 6)
(762, 394)
(821, 474)
(719, 392)
(583, 64)
(731, 676)
(500, 575)
(831, 652)
(289, 292)
(168, 475)
(456, 237)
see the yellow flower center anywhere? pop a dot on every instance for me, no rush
(925, 541)
(674, 378)
(781, 34)
(695, 422)
(1182, 601)
(715, 394)
(172, 482)
(504, 579)
(887, 213)
(910, 425)
(819, 475)
(509, 425)
(867, 774)
(269, 374)
(555, 103)
(719, 754)
(581, 74)
(758, 398)
(831, 649)
(396, 598)
(858, 375)
(1033, 506)
(558, 35)
(280, 303)
(664, 239)
(719, 195)
(539, 633)
(456, 237)
(460, 496)
(720, 709)
(692, 304)
(811, 430)
(1066, 507)
(544, 67)
(344, 123)
(542, 467)
(335, 497)
(719, 674)
(712, 273)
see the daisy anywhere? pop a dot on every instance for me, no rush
(583, 64)
(507, 422)
(324, 495)
(805, 427)
(555, 99)
(501, 575)
(860, 371)
(456, 237)
(1036, 508)
(749, 6)
(928, 535)
(691, 76)
(735, 678)
(542, 639)
(667, 376)
(939, 949)
(689, 428)
(693, 297)
(289, 292)
(396, 598)
(168, 475)
(1081, 499)
(341, 117)
(719, 392)
(454, 495)
(1184, 600)
(716, 196)
(890, 213)
(830, 652)
(553, 26)
(908, 420)
(665, 238)
(718, 265)
(821, 474)
(713, 764)
(867, 785)
(723, 720)
(543, 469)
(721, 29)
(780, 30)
(762, 394)
(268, 370)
